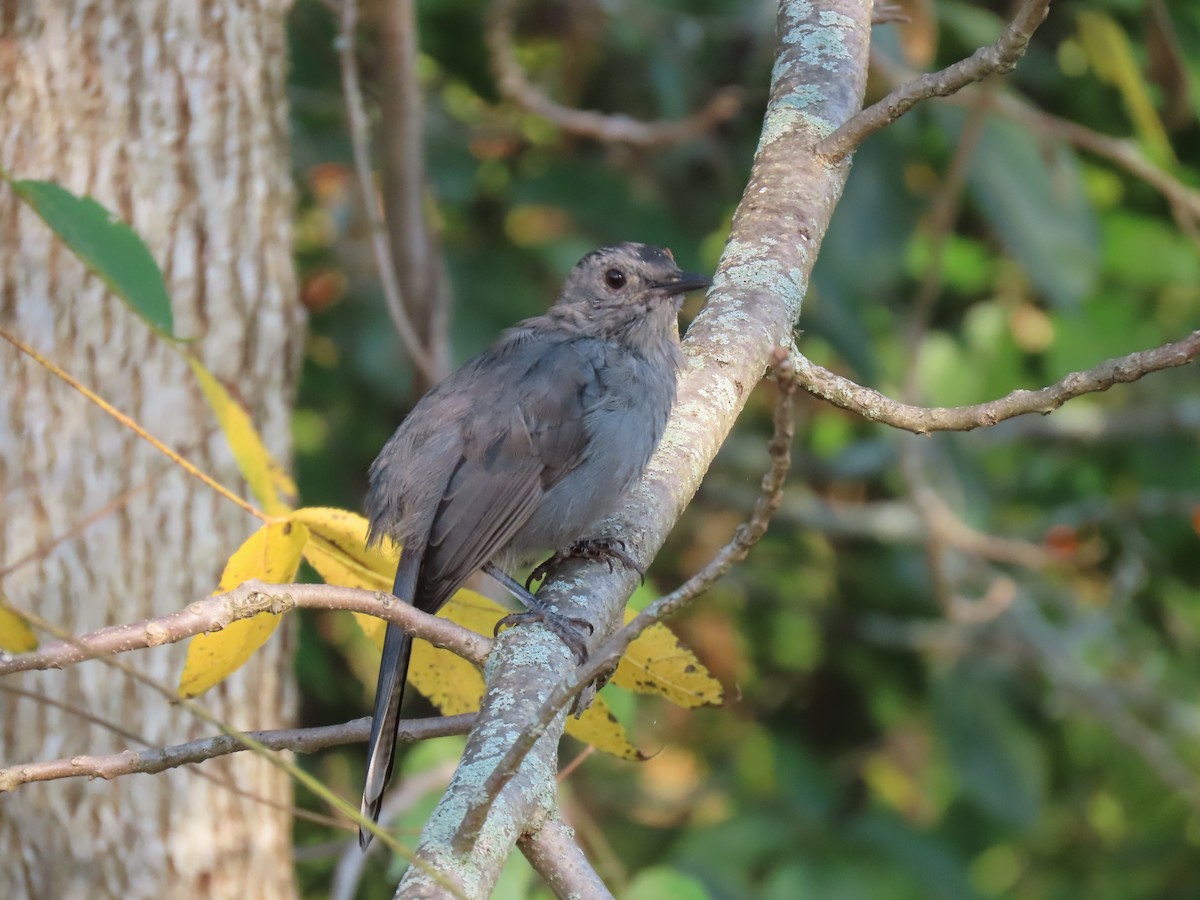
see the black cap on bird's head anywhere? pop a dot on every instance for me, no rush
(629, 276)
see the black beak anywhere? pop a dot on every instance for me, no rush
(684, 282)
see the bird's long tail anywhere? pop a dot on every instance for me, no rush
(389, 691)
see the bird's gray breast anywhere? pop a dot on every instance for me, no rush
(624, 422)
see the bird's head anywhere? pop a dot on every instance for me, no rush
(615, 287)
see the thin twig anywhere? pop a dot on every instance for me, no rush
(871, 404)
(243, 602)
(609, 652)
(221, 782)
(159, 759)
(359, 141)
(515, 85)
(995, 59)
(133, 426)
(46, 547)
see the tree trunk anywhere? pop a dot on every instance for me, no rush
(171, 113)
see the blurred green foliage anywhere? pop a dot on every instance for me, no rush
(882, 742)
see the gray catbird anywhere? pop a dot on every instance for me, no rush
(524, 449)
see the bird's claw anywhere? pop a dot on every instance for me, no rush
(605, 549)
(567, 628)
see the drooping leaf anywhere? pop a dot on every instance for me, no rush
(599, 727)
(345, 534)
(1110, 54)
(271, 554)
(1033, 196)
(106, 245)
(994, 757)
(338, 551)
(657, 662)
(271, 486)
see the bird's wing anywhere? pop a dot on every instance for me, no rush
(507, 466)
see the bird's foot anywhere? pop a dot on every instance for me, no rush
(606, 549)
(568, 629)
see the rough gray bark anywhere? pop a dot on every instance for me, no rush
(171, 113)
(818, 83)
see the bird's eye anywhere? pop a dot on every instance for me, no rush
(614, 278)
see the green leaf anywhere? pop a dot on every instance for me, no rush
(996, 759)
(661, 881)
(1113, 59)
(106, 245)
(1032, 194)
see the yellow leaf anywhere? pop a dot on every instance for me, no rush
(1107, 48)
(15, 634)
(344, 535)
(271, 554)
(657, 663)
(338, 551)
(451, 683)
(264, 476)
(600, 727)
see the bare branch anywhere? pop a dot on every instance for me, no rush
(159, 759)
(247, 600)
(406, 195)
(999, 58)
(875, 406)
(555, 855)
(380, 243)
(515, 85)
(604, 659)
